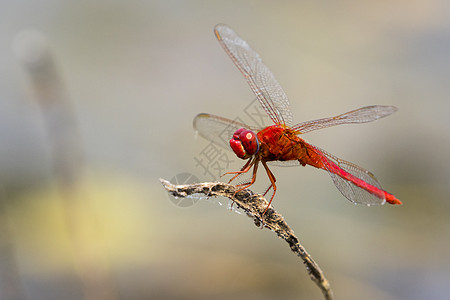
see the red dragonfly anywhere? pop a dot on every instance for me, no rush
(281, 141)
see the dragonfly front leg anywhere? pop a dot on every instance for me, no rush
(252, 181)
(255, 164)
(243, 170)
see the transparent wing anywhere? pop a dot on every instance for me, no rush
(217, 129)
(348, 188)
(266, 88)
(284, 163)
(361, 115)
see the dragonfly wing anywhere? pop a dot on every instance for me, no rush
(348, 188)
(217, 129)
(261, 80)
(361, 115)
(284, 163)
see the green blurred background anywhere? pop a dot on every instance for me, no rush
(87, 131)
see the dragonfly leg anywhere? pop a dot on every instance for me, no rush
(243, 170)
(252, 181)
(251, 162)
(272, 185)
(268, 189)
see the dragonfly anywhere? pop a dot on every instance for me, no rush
(281, 142)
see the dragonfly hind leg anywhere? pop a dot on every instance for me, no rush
(272, 184)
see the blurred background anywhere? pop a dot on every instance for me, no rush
(97, 100)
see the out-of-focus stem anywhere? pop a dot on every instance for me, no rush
(89, 260)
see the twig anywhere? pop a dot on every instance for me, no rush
(254, 206)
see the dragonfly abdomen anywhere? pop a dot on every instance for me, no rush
(376, 191)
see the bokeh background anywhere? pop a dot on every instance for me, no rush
(97, 100)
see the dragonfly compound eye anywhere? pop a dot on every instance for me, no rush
(244, 143)
(249, 141)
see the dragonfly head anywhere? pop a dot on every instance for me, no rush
(244, 143)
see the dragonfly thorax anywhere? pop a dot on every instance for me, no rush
(244, 143)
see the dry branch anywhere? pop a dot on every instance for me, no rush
(254, 206)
